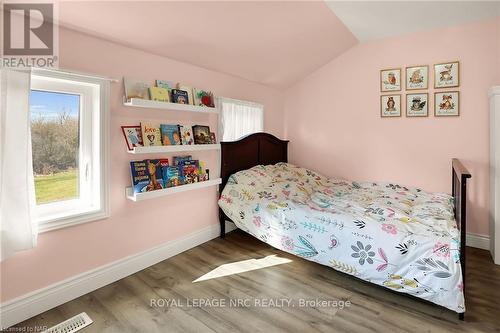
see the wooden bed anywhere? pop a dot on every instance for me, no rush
(264, 149)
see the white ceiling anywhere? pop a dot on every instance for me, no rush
(369, 20)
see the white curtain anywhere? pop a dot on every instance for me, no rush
(240, 118)
(18, 228)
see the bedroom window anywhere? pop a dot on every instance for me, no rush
(69, 126)
(240, 118)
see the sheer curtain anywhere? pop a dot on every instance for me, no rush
(18, 228)
(240, 118)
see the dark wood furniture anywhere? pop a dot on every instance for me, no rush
(264, 148)
(249, 151)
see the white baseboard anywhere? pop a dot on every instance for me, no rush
(24, 307)
(479, 241)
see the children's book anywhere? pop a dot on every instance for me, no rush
(155, 175)
(189, 172)
(140, 176)
(136, 89)
(186, 135)
(180, 96)
(159, 94)
(172, 176)
(164, 165)
(165, 84)
(151, 134)
(133, 136)
(170, 135)
(188, 90)
(179, 159)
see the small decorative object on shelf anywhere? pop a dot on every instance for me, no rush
(133, 136)
(180, 96)
(201, 134)
(136, 89)
(203, 98)
(151, 134)
(170, 135)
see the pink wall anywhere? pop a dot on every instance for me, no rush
(132, 227)
(334, 126)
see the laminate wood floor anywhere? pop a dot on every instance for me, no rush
(125, 306)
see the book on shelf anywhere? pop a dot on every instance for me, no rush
(136, 89)
(155, 175)
(170, 135)
(172, 176)
(169, 85)
(159, 94)
(186, 135)
(188, 90)
(151, 134)
(180, 96)
(140, 176)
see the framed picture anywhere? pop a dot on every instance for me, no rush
(390, 106)
(417, 105)
(201, 134)
(390, 79)
(133, 136)
(417, 77)
(447, 75)
(447, 103)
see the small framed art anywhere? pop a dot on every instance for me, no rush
(201, 134)
(417, 105)
(133, 136)
(447, 103)
(390, 79)
(447, 75)
(390, 106)
(417, 77)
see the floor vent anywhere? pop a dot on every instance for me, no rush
(71, 325)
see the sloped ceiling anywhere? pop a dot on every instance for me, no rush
(275, 43)
(272, 43)
(369, 20)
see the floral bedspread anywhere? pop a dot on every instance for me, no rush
(402, 238)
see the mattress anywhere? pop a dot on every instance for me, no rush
(398, 237)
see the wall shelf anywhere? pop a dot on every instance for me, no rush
(173, 149)
(145, 103)
(170, 190)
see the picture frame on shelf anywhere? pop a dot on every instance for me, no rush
(201, 134)
(447, 75)
(417, 77)
(390, 80)
(447, 103)
(417, 105)
(390, 106)
(133, 136)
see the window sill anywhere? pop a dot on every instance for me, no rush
(70, 221)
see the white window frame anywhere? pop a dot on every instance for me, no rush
(93, 161)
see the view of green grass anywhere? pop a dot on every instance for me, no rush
(58, 186)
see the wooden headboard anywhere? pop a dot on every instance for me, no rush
(254, 149)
